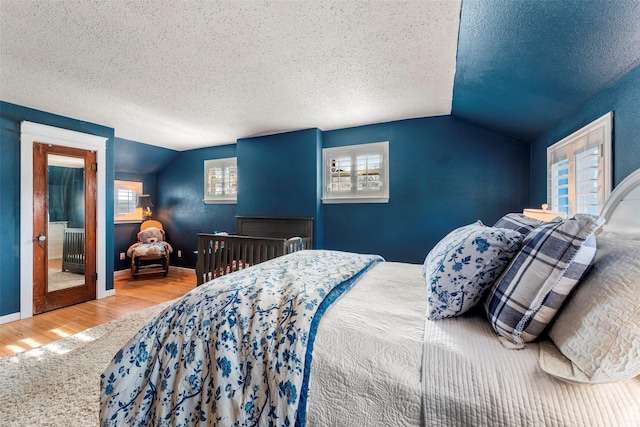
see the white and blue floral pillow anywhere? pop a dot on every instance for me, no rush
(461, 268)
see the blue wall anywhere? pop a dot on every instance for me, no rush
(10, 117)
(135, 161)
(125, 234)
(444, 173)
(623, 98)
(523, 66)
(180, 191)
(279, 175)
(140, 158)
(66, 195)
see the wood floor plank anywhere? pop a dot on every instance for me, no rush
(131, 296)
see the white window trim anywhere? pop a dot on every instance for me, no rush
(604, 124)
(353, 150)
(220, 163)
(130, 218)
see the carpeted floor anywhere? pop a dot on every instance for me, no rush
(59, 384)
(64, 279)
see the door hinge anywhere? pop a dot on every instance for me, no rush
(94, 276)
(94, 167)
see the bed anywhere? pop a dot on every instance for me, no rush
(372, 355)
(257, 239)
(73, 250)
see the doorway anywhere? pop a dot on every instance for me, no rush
(64, 224)
(31, 133)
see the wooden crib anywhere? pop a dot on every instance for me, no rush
(73, 250)
(258, 239)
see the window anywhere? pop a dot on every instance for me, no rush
(126, 199)
(221, 180)
(356, 173)
(579, 168)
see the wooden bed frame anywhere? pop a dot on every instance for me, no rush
(73, 250)
(258, 239)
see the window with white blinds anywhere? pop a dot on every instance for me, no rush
(221, 180)
(356, 173)
(126, 199)
(579, 169)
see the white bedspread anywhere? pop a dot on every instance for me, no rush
(366, 368)
(366, 361)
(470, 379)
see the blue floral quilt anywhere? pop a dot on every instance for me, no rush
(233, 352)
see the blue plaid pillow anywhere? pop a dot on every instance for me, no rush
(553, 258)
(521, 223)
(462, 266)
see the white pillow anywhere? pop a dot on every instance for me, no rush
(598, 331)
(463, 265)
(622, 235)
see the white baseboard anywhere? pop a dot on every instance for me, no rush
(108, 293)
(171, 267)
(184, 269)
(9, 318)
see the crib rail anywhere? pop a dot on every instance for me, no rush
(73, 250)
(222, 254)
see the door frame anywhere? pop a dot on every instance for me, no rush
(44, 299)
(34, 132)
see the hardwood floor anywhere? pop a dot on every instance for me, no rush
(131, 296)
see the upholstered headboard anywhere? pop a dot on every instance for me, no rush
(622, 210)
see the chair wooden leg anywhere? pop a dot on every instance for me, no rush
(133, 268)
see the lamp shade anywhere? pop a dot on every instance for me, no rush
(144, 202)
(543, 214)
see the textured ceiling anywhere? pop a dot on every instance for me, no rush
(188, 74)
(522, 66)
(185, 74)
